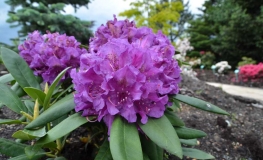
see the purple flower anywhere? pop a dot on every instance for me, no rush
(128, 71)
(47, 55)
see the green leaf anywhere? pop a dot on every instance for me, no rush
(33, 151)
(145, 157)
(35, 94)
(173, 118)
(30, 106)
(63, 128)
(19, 69)
(189, 142)
(57, 110)
(11, 148)
(176, 105)
(149, 148)
(104, 152)
(29, 134)
(195, 153)
(124, 140)
(10, 99)
(52, 88)
(6, 78)
(9, 121)
(24, 157)
(200, 104)
(57, 158)
(161, 132)
(189, 133)
(18, 90)
(51, 145)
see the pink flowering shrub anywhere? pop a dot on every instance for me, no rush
(251, 72)
(128, 71)
(47, 55)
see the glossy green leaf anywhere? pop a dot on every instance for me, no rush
(57, 110)
(189, 133)
(57, 158)
(11, 148)
(19, 69)
(52, 88)
(10, 99)
(104, 152)
(176, 105)
(163, 134)
(149, 148)
(30, 106)
(63, 128)
(195, 153)
(189, 142)
(18, 90)
(146, 157)
(33, 151)
(51, 145)
(124, 140)
(173, 118)
(29, 134)
(6, 78)
(36, 94)
(24, 157)
(200, 104)
(9, 121)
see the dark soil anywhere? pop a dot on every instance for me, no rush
(241, 139)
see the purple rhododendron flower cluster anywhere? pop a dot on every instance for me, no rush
(47, 55)
(128, 71)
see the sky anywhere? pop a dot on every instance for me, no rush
(99, 11)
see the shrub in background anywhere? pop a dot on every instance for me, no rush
(245, 61)
(207, 59)
(251, 72)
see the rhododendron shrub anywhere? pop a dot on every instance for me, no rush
(251, 72)
(127, 83)
(49, 54)
(129, 71)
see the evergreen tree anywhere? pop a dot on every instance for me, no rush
(48, 15)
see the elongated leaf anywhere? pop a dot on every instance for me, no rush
(24, 157)
(9, 121)
(18, 90)
(10, 99)
(200, 104)
(163, 134)
(36, 94)
(174, 119)
(57, 158)
(33, 151)
(189, 133)
(30, 106)
(57, 110)
(63, 128)
(176, 105)
(11, 148)
(19, 69)
(29, 134)
(52, 88)
(146, 157)
(149, 148)
(195, 153)
(104, 152)
(6, 78)
(124, 141)
(189, 142)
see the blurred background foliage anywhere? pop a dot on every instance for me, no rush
(48, 15)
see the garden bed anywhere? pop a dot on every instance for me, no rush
(240, 139)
